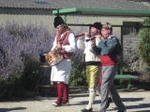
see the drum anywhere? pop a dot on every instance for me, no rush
(54, 57)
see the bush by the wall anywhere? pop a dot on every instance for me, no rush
(144, 44)
(144, 49)
(20, 47)
(78, 76)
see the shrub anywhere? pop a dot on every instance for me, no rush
(78, 76)
(19, 55)
(144, 44)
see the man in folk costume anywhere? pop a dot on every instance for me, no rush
(110, 49)
(64, 42)
(92, 61)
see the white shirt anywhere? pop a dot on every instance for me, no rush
(86, 46)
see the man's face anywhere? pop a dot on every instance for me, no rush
(94, 31)
(105, 32)
(60, 29)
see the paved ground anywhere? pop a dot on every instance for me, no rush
(134, 101)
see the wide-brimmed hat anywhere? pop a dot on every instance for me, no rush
(97, 25)
(58, 21)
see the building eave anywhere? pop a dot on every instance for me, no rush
(102, 12)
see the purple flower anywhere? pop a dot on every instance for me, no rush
(19, 44)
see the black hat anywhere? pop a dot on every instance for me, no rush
(58, 21)
(97, 25)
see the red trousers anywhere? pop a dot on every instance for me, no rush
(63, 92)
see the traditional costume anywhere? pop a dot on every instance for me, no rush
(60, 72)
(93, 67)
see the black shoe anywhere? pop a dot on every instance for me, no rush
(108, 103)
(87, 110)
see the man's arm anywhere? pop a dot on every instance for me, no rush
(108, 45)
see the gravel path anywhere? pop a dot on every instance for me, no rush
(134, 101)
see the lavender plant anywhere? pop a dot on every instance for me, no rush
(20, 48)
(20, 43)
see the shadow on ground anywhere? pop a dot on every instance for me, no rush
(12, 109)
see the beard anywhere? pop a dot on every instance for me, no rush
(93, 34)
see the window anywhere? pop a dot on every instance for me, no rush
(131, 27)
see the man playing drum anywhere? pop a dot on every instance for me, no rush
(64, 42)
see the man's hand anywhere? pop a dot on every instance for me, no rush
(98, 38)
(93, 42)
(59, 46)
(83, 35)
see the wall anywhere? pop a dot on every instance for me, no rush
(47, 20)
(25, 19)
(103, 19)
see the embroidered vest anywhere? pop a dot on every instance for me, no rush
(64, 41)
